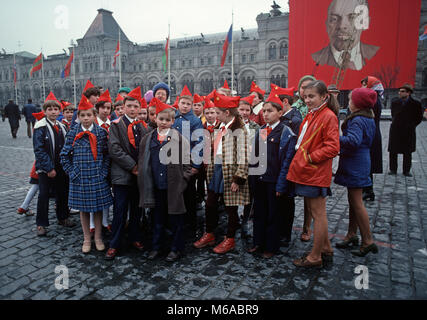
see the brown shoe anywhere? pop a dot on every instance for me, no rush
(303, 262)
(268, 255)
(306, 236)
(66, 223)
(227, 245)
(208, 239)
(41, 231)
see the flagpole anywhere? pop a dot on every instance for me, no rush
(74, 76)
(43, 88)
(232, 52)
(120, 60)
(15, 73)
(169, 58)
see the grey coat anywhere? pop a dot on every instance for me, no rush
(120, 152)
(178, 174)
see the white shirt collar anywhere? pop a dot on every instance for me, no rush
(356, 56)
(227, 125)
(274, 125)
(100, 122)
(167, 132)
(130, 119)
(210, 124)
(90, 128)
(52, 123)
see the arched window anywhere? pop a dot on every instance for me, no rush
(424, 80)
(278, 79)
(283, 50)
(189, 82)
(245, 84)
(206, 85)
(272, 52)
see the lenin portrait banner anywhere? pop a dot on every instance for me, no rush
(365, 37)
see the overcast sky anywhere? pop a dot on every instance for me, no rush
(31, 25)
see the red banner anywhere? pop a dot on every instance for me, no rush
(365, 38)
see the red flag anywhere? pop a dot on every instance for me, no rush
(226, 44)
(116, 54)
(37, 64)
(66, 72)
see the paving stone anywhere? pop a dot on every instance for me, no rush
(398, 217)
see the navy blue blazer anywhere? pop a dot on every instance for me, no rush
(293, 120)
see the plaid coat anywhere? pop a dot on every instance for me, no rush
(234, 164)
(89, 188)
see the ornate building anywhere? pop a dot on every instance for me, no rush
(260, 54)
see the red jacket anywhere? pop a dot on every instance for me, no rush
(312, 164)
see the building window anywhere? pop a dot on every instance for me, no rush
(96, 66)
(424, 80)
(283, 50)
(209, 60)
(252, 57)
(107, 65)
(190, 63)
(279, 79)
(149, 67)
(202, 62)
(272, 52)
(140, 67)
(244, 58)
(156, 66)
(183, 63)
(91, 66)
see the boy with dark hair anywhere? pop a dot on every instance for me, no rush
(123, 146)
(48, 140)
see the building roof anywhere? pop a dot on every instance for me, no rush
(105, 25)
(26, 54)
(250, 34)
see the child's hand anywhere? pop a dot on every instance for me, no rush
(52, 174)
(194, 171)
(234, 187)
(278, 194)
(135, 170)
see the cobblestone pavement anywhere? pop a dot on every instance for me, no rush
(398, 271)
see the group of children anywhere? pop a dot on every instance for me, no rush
(242, 151)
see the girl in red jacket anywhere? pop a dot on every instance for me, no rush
(311, 168)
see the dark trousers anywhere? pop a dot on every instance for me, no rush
(212, 215)
(191, 202)
(266, 217)
(407, 162)
(58, 184)
(200, 184)
(161, 217)
(30, 127)
(125, 197)
(287, 215)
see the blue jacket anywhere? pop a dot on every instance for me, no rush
(292, 119)
(181, 122)
(159, 170)
(43, 144)
(27, 111)
(355, 161)
(280, 152)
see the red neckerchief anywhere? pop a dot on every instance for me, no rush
(130, 131)
(92, 141)
(218, 139)
(264, 133)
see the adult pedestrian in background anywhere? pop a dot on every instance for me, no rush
(407, 114)
(11, 111)
(376, 148)
(28, 111)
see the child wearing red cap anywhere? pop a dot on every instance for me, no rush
(48, 140)
(274, 151)
(245, 111)
(257, 104)
(311, 168)
(67, 111)
(227, 173)
(358, 132)
(123, 144)
(85, 160)
(198, 103)
(162, 185)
